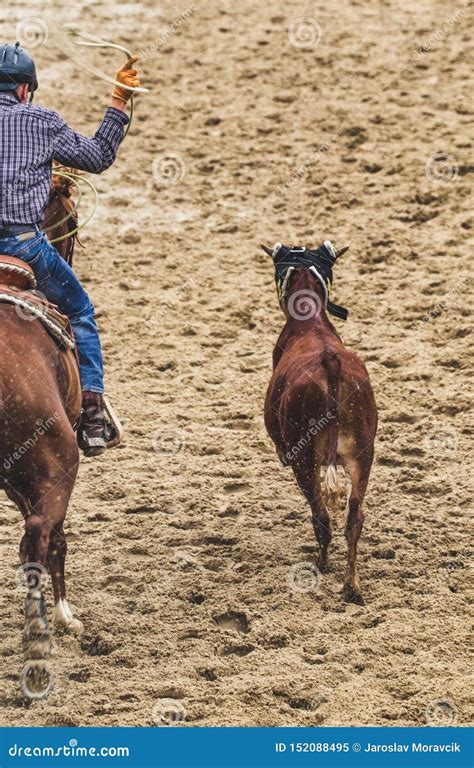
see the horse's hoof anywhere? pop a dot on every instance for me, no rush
(76, 627)
(69, 626)
(64, 621)
(352, 595)
(36, 679)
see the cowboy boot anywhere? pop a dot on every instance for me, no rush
(92, 428)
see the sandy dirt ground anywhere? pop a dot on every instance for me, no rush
(190, 547)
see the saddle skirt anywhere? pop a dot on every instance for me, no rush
(17, 287)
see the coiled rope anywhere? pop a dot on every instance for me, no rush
(93, 42)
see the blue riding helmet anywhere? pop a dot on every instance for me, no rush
(16, 67)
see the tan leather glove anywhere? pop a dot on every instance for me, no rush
(128, 76)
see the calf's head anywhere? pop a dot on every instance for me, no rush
(289, 261)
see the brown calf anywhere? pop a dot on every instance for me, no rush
(320, 408)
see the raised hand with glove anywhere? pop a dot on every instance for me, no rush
(126, 75)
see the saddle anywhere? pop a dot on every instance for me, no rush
(17, 287)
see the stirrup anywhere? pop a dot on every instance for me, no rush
(113, 426)
(91, 446)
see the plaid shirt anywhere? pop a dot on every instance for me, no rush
(30, 138)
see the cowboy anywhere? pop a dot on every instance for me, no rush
(31, 137)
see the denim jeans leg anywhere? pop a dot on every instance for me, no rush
(59, 284)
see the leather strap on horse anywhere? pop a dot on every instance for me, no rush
(60, 334)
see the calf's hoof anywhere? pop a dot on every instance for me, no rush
(322, 564)
(352, 595)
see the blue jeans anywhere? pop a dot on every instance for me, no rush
(59, 284)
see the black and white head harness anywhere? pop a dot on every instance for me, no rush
(320, 262)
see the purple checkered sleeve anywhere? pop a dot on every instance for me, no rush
(31, 137)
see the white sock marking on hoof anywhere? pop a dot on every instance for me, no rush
(63, 618)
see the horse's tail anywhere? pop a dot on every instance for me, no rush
(332, 365)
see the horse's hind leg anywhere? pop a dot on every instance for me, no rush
(49, 501)
(36, 676)
(63, 617)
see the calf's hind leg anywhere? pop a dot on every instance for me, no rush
(359, 472)
(307, 477)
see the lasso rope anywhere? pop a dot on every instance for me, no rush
(79, 198)
(75, 178)
(99, 42)
(94, 42)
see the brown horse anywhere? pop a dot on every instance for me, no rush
(40, 402)
(320, 408)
